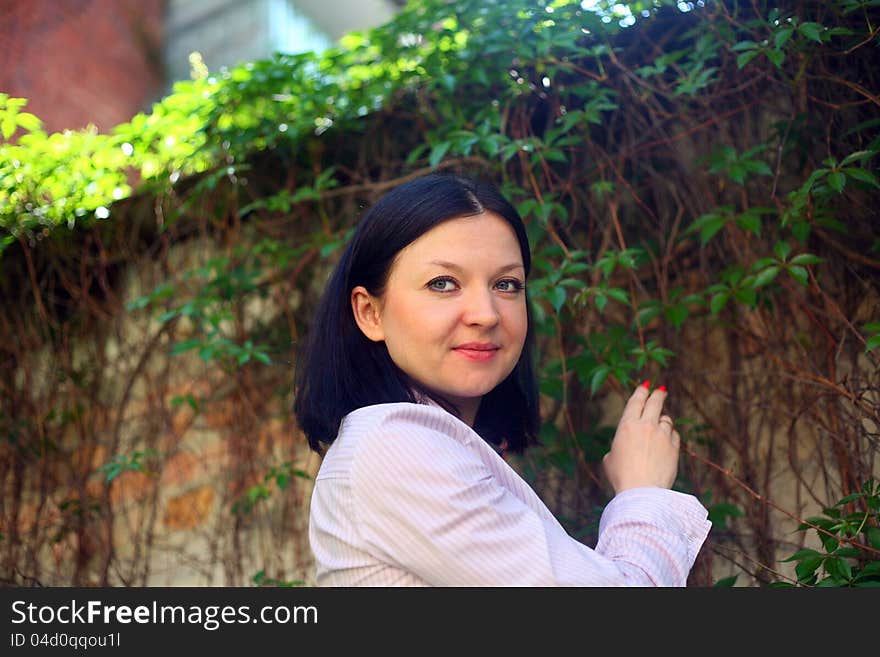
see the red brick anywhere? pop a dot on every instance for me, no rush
(82, 61)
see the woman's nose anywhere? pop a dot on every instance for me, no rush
(480, 308)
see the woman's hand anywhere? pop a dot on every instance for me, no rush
(644, 452)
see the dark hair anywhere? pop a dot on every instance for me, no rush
(340, 369)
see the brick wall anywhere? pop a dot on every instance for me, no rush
(82, 61)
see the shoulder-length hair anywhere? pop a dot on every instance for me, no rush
(339, 369)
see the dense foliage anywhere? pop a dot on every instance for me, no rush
(699, 181)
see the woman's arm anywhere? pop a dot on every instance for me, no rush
(429, 503)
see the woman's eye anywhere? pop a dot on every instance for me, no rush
(442, 285)
(509, 285)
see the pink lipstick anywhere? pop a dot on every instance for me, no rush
(479, 351)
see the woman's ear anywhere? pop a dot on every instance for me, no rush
(366, 310)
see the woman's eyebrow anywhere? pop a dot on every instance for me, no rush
(459, 268)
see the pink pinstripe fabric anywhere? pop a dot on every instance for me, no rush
(408, 495)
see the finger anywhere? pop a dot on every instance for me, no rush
(676, 439)
(636, 403)
(654, 405)
(666, 424)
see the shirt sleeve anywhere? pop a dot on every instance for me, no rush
(429, 504)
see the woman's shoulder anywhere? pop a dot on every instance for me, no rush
(401, 418)
(375, 432)
(401, 412)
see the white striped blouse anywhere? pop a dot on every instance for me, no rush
(409, 495)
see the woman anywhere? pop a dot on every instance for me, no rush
(418, 371)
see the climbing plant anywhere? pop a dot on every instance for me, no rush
(699, 184)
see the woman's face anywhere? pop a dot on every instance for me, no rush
(453, 313)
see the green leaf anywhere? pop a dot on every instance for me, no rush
(814, 177)
(737, 172)
(438, 152)
(766, 276)
(811, 31)
(720, 512)
(576, 268)
(602, 187)
(871, 569)
(802, 554)
(782, 36)
(555, 155)
(572, 282)
(857, 155)
(757, 166)
(137, 304)
(599, 375)
(416, 153)
(709, 225)
(838, 568)
(551, 386)
(185, 399)
(186, 345)
(818, 521)
(676, 315)
(725, 582)
(718, 302)
(776, 56)
(799, 274)
(829, 582)
(848, 552)
(618, 295)
(744, 45)
(829, 542)
(837, 180)
(8, 127)
(28, 121)
(782, 249)
(806, 568)
(647, 313)
(861, 174)
(801, 231)
(557, 296)
(852, 497)
(747, 296)
(448, 82)
(745, 57)
(873, 535)
(750, 222)
(805, 259)
(872, 343)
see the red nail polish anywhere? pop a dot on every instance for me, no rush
(661, 388)
(646, 384)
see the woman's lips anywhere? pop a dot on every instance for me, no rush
(477, 351)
